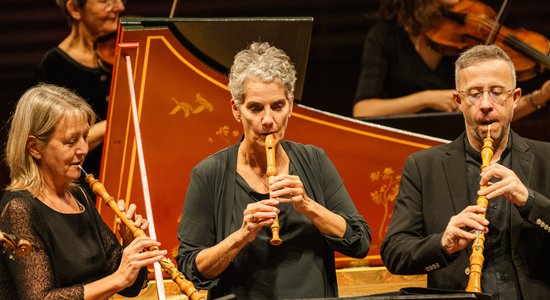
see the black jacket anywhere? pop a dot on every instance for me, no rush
(433, 189)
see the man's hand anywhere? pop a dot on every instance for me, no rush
(461, 229)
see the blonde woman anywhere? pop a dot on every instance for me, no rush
(75, 255)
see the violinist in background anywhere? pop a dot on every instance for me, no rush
(402, 74)
(76, 65)
(74, 254)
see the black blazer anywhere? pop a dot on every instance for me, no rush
(433, 189)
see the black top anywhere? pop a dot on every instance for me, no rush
(92, 84)
(303, 266)
(391, 67)
(69, 250)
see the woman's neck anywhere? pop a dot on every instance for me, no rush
(58, 198)
(79, 45)
(253, 157)
(53, 188)
(430, 57)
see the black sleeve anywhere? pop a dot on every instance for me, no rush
(405, 249)
(356, 240)
(32, 274)
(196, 230)
(374, 63)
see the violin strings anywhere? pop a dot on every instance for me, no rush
(514, 42)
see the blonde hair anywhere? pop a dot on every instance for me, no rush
(37, 115)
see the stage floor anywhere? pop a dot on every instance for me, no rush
(351, 282)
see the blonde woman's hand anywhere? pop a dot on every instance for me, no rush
(136, 256)
(138, 221)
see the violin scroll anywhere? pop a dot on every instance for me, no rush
(15, 245)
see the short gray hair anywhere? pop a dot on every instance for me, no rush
(265, 62)
(481, 53)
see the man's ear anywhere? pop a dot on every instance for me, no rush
(457, 98)
(73, 9)
(516, 94)
(32, 147)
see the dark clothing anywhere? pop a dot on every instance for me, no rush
(391, 67)
(434, 188)
(69, 250)
(303, 266)
(92, 84)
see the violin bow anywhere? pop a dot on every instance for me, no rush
(144, 181)
(173, 10)
(498, 22)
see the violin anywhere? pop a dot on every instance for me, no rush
(14, 245)
(471, 23)
(105, 47)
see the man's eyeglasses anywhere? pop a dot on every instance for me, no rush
(496, 94)
(109, 5)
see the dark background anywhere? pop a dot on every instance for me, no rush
(28, 28)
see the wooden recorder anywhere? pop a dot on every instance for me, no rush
(476, 258)
(168, 267)
(271, 171)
